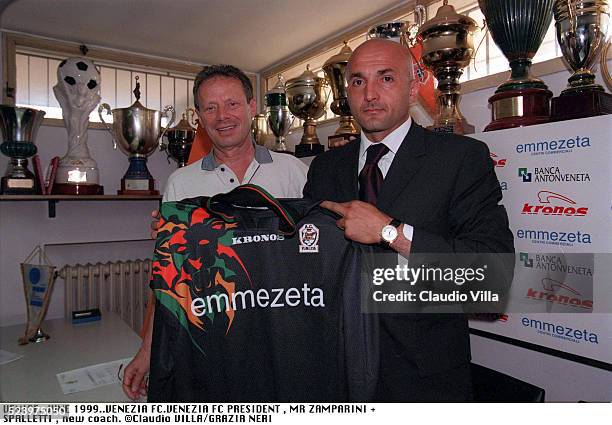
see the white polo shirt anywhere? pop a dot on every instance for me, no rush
(282, 175)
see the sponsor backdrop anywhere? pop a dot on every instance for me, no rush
(557, 185)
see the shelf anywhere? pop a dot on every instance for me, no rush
(80, 197)
(54, 199)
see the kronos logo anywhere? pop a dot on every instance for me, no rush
(551, 203)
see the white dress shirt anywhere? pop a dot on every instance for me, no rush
(393, 142)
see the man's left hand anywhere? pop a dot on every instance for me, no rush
(361, 222)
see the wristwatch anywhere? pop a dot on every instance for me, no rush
(389, 232)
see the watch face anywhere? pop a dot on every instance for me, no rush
(389, 233)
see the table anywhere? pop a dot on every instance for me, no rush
(32, 378)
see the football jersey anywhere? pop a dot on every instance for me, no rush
(257, 299)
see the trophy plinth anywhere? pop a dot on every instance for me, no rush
(19, 127)
(581, 32)
(580, 104)
(448, 46)
(137, 180)
(138, 132)
(518, 28)
(334, 70)
(519, 108)
(306, 99)
(18, 179)
(77, 189)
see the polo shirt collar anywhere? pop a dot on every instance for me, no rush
(262, 156)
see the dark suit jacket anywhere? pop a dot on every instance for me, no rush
(446, 188)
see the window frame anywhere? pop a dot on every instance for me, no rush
(13, 41)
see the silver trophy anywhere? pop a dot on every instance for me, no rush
(582, 31)
(19, 127)
(138, 132)
(402, 32)
(306, 98)
(259, 129)
(278, 116)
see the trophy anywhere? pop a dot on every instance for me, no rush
(138, 131)
(581, 32)
(306, 100)
(180, 139)
(78, 92)
(259, 129)
(448, 47)
(334, 70)
(278, 117)
(19, 127)
(518, 28)
(402, 32)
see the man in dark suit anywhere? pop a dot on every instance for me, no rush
(414, 191)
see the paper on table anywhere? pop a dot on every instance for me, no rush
(90, 377)
(7, 356)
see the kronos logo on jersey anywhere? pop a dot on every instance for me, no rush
(552, 203)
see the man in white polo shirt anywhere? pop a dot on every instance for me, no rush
(223, 97)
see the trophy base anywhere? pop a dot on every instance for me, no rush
(39, 336)
(137, 187)
(519, 108)
(338, 140)
(19, 186)
(308, 149)
(77, 189)
(459, 127)
(580, 104)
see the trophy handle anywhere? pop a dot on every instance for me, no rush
(170, 122)
(603, 65)
(106, 107)
(191, 117)
(420, 14)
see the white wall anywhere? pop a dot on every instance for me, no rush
(24, 225)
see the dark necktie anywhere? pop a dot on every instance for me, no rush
(371, 178)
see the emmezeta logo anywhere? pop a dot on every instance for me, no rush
(551, 175)
(551, 147)
(559, 331)
(553, 263)
(552, 203)
(561, 293)
(549, 237)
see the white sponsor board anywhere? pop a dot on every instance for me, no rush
(557, 187)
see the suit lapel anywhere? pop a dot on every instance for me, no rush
(408, 160)
(346, 168)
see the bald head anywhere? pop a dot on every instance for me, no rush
(380, 86)
(378, 46)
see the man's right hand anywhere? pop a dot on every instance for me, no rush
(155, 223)
(134, 382)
